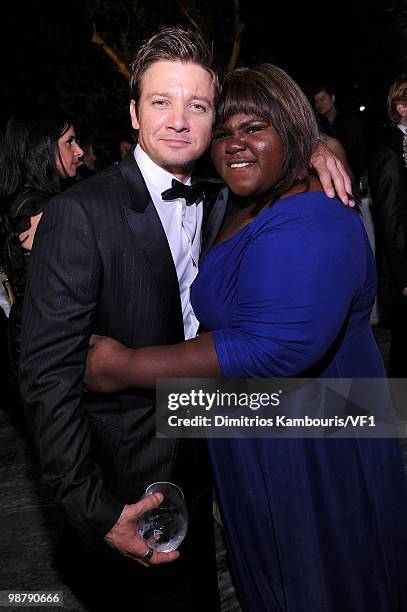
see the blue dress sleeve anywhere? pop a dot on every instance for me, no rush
(297, 281)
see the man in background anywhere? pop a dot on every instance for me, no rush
(388, 186)
(346, 126)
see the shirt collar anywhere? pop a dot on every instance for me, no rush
(403, 128)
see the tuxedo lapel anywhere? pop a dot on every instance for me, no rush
(397, 138)
(149, 235)
(213, 218)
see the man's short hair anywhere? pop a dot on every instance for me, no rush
(327, 88)
(172, 44)
(397, 95)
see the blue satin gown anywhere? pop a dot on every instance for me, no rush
(312, 525)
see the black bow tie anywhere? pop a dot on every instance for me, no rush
(191, 193)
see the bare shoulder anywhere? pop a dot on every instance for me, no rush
(27, 237)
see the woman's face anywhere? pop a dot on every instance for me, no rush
(248, 154)
(69, 155)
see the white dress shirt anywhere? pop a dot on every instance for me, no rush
(182, 225)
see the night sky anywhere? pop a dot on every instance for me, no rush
(47, 55)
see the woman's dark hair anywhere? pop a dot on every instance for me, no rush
(28, 165)
(268, 92)
(29, 150)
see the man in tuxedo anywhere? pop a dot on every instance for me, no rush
(388, 186)
(116, 255)
(346, 128)
(113, 257)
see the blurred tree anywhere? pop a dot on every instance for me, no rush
(118, 31)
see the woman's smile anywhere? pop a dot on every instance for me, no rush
(247, 152)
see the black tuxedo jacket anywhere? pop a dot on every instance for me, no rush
(388, 186)
(100, 264)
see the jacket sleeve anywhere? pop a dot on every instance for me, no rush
(388, 186)
(60, 301)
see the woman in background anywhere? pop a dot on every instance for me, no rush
(39, 155)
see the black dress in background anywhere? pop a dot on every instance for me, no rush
(16, 259)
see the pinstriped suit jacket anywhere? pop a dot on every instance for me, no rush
(100, 264)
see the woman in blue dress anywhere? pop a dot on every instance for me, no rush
(312, 525)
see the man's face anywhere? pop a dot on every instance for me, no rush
(175, 114)
(323, 102)
(402, 111)
(124, 148)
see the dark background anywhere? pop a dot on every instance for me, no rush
(47, 53)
